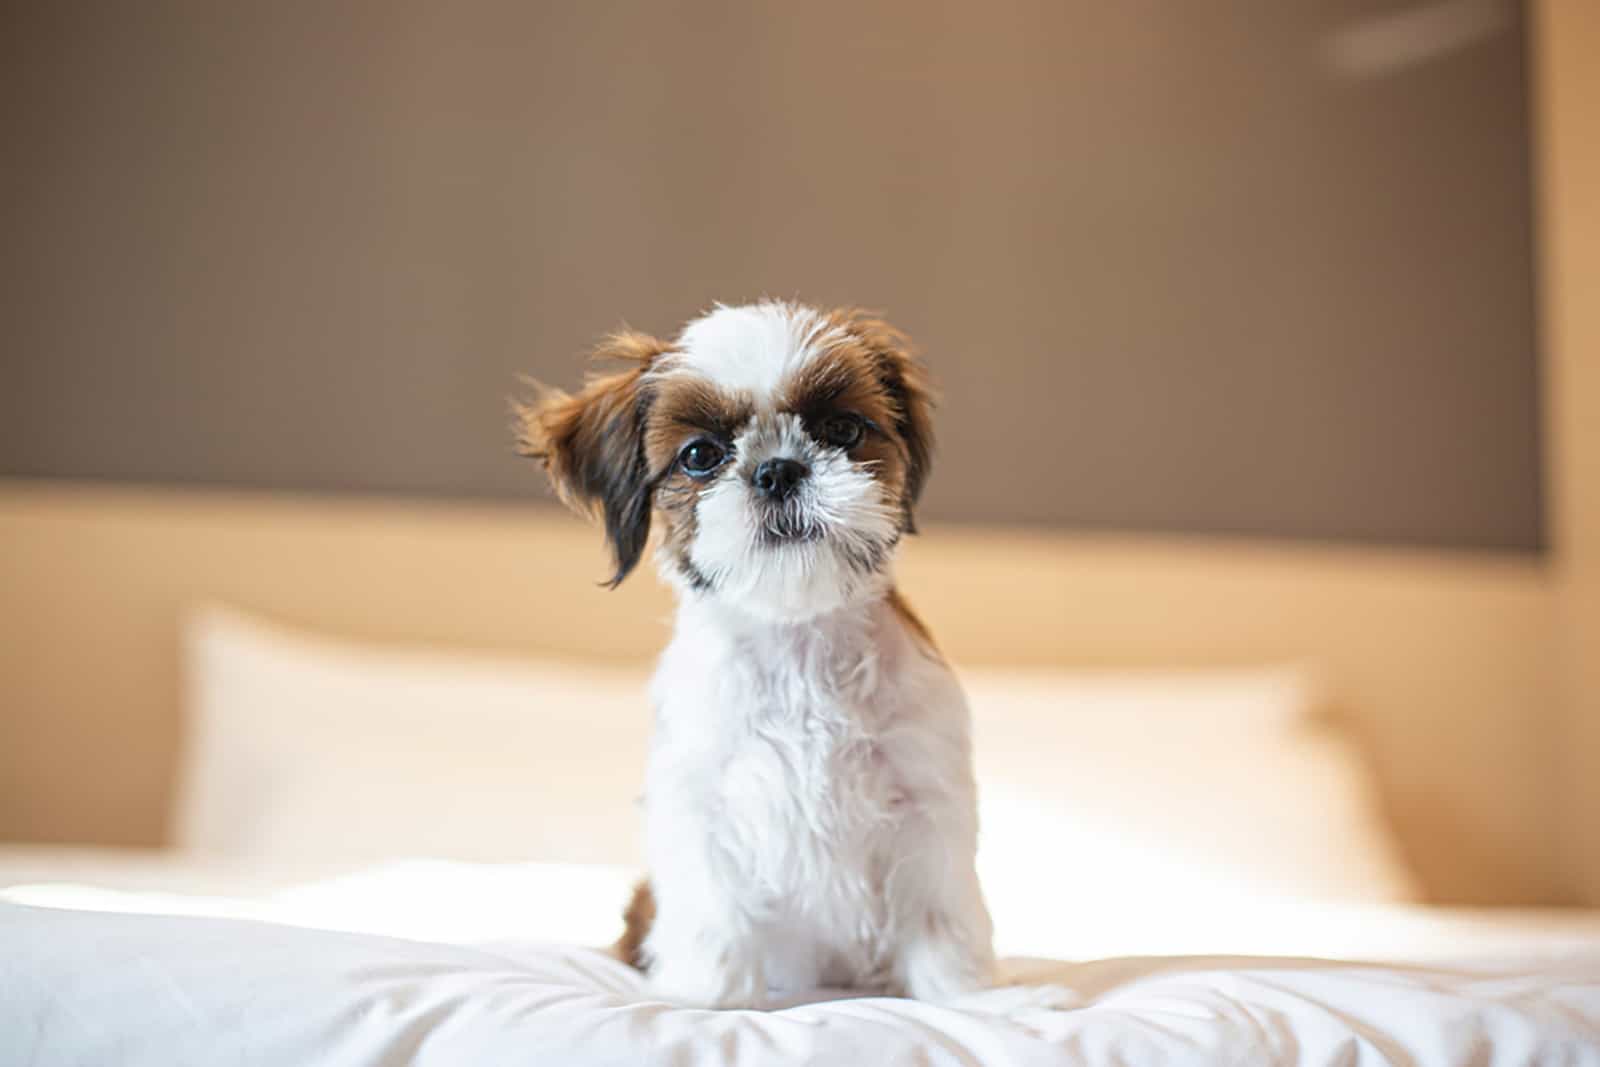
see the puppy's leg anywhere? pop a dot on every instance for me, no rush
(702, 950)
(946, 949)
(945, 945)
(943, 938)
(697, 961)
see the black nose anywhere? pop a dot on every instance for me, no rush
(778, 478)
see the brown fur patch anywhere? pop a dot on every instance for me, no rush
(875, 366)
(546, 427)
(637, 919)
(913, 622)
(684, 409)
(844, 380)
(592, 445)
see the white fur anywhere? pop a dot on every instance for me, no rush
(810, 811)
(752, 348)
(810, 808)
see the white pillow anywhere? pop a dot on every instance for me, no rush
(1190, 799)
(304, 748)
(1094, 789)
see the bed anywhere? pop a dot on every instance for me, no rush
(389, 857)
(457, 963)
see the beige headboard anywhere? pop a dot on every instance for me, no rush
(1439, 665)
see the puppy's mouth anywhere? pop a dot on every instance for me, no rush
(782, 526)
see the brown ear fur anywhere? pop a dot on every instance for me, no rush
(907, 383)
(592, 445)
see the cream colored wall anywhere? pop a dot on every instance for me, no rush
(1439, 663)
(1567, 99)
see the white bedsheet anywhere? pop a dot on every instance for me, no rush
(79, 987)
(158, 959)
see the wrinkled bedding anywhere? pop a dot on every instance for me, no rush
(84, 987)
(159, 959)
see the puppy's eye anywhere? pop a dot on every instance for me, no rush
(700, 458)
(842, 431)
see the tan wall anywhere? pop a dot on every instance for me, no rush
(1439, 663)
(1567, 43)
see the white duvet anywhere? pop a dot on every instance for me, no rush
(147, 960)
(79, 987)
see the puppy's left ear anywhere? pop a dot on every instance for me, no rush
(592, 445)
(910, 390)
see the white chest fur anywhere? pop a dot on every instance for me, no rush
(809, 807)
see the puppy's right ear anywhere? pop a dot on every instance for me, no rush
(592, 445)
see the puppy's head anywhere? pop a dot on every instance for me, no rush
(781, 449)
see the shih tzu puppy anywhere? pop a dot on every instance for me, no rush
(810, 810)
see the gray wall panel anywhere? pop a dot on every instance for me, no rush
(1177, 266)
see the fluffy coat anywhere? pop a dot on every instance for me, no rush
(809, 802)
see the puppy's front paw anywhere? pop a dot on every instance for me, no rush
(941, 968)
